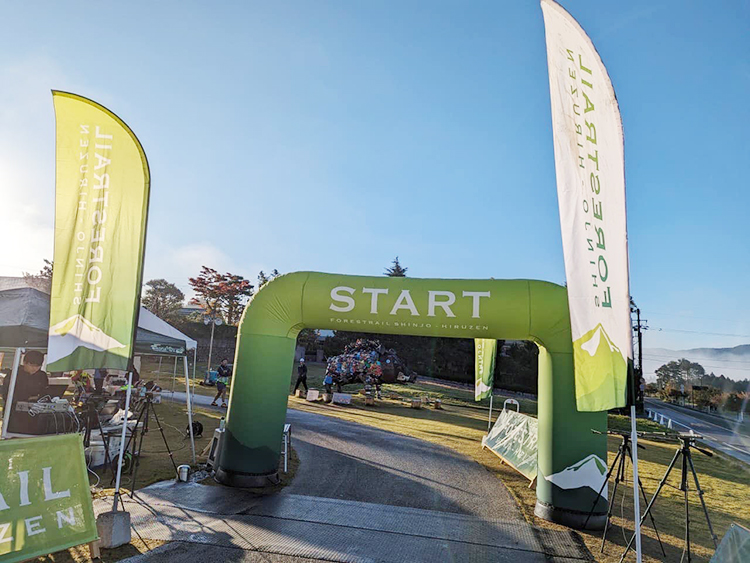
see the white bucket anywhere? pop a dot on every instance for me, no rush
(183, 471)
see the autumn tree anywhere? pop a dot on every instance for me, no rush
(222, 295)
(163, 299)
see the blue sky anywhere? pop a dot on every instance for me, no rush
(333, 136)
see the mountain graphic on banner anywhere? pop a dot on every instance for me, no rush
(597, 361)
(74, 332)
(589, 472)
(482, 387)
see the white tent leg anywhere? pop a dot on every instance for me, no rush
(195, 359)
(159, 370)
(189, 406)
(174, 375)
(11, 389)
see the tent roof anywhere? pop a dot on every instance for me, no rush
(24, 321)
(148, 321)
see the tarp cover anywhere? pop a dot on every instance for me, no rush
(514, 439)
(735, 547)
(24, 321)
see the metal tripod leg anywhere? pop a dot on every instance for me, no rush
(653, 500)
(606, 480)
(163, 437)
(683, 486)
(137, 458)
(619, 476)
(700, 495)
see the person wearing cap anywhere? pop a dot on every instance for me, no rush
(301, 375)
(31, 383)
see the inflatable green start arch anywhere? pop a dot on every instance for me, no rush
(571, 459)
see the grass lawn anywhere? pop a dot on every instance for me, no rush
(462, 423)
(155, 464)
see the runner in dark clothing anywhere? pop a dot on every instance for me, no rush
(222, 381)
(301, 375)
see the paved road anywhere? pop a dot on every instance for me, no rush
(723, 439)
(345, 460)
(361, 495)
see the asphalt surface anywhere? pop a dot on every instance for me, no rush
(730, 442)
(345, 460)
(360, 495)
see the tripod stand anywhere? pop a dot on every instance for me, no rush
(147, 408)
(687, 441)
(93, 422)
(624, 452)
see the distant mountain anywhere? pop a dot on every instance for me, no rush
(734, 363)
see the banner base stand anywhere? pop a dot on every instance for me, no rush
(246, 480)
(570, 518)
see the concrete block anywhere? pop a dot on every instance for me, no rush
(370, 401)
(342, 399)
(313, 395)
(416, 403)
(113, 528)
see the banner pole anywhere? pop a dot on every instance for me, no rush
(11, 389)
(122, 443)
(636, 498)
(189, 406)
(489, 420)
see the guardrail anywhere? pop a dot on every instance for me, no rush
(659, 418)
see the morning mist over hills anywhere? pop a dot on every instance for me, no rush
(734, 362)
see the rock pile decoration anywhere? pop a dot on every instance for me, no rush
(369, 362)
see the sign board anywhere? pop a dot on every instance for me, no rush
(45, 502)
(342, 399)
(513, 438)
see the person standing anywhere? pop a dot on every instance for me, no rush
(328, 382)
(224, 374)
(301, 375)
(31, 383)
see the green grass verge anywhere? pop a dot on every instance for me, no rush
(462, 423)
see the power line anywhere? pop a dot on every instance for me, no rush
(699, 332)
(698, 317)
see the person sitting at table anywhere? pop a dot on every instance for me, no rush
(31, 384)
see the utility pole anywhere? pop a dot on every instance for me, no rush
(639, 327)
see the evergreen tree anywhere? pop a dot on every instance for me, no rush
(163, 299)
(396, 271)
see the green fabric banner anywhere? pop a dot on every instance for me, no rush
(514, 439)
(102, 190)
(484, 367)
(45, 503)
